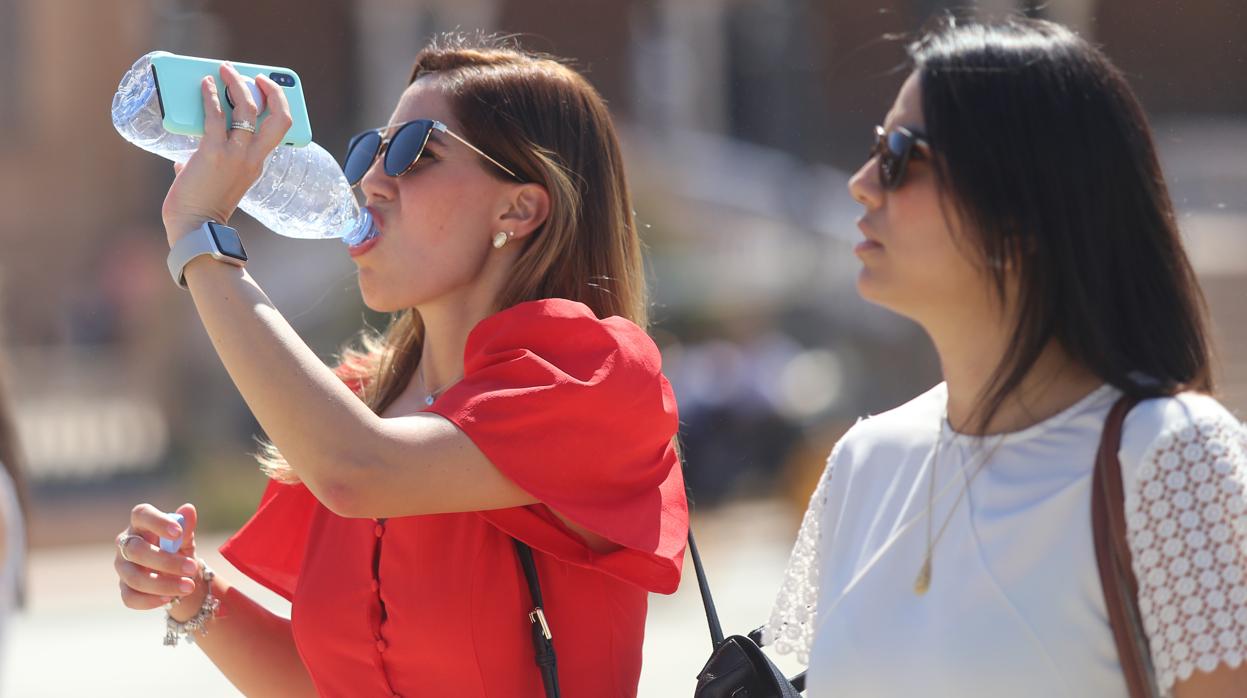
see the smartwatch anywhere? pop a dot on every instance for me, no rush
(212, 238)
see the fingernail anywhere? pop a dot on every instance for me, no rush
(174, 532)
(189, 567)
(186, 586)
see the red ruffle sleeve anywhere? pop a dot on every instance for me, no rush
(269, 548)
(576, 411)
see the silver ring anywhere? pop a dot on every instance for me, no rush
(243, 125)
(121, 545)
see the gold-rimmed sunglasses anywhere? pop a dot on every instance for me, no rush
(401, 150)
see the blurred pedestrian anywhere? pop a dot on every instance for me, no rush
(514, 397)
(14, 509)
(1014, 208)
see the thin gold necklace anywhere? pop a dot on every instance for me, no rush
(923, 581)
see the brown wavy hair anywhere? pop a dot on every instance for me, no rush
(542, 119)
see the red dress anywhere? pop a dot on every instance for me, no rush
(576, 411)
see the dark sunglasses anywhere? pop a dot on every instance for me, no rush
(894, 149)
(401, 150)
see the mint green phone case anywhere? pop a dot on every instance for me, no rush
(181, 101)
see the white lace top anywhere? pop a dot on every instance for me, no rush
(1015, 605)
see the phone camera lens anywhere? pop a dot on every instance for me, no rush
(283, 79)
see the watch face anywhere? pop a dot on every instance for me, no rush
(227, 241)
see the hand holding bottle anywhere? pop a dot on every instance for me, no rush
(300, 192)
(230, 157)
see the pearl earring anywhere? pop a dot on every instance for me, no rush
(502, 238)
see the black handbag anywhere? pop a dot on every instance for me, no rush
(737, 668)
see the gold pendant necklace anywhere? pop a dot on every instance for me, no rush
(922, 583)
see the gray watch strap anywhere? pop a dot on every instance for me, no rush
(197, 243)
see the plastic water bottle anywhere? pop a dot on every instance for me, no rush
(301, 192)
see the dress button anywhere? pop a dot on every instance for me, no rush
(376, 586)
(379, 530)
(381, 646)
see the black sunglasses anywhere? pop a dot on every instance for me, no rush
(894, 149)
(401, 150)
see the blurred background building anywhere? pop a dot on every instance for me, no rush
(742, 120)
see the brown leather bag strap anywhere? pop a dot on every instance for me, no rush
(1112, 552)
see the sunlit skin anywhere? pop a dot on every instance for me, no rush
(437, 223)
(911, 262)
(439, 218)
(916, 261)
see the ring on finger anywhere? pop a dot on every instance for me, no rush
(242, 125)
(121, 545)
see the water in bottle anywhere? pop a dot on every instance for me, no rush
(301, 192)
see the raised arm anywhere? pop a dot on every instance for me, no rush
(355, 462)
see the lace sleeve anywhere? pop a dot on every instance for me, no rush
(1186, 519)
(791, 626)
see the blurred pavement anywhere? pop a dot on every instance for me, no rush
(77, 639)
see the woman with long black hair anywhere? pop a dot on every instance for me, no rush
(1013, 206)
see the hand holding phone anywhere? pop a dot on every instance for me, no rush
(178, 80)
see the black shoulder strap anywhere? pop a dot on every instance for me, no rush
(712, 614)
(543, 641)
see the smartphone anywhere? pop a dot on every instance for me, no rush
(178, 80)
